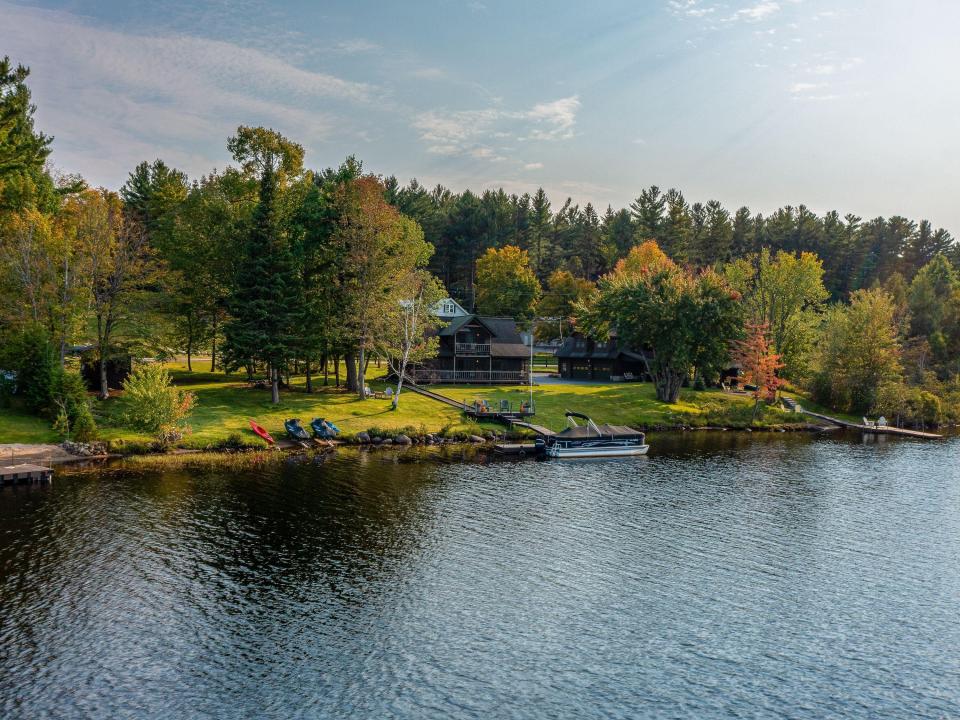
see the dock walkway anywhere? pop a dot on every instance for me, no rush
(25, 473)
(475, 411)
(538, 429)
(872, 429)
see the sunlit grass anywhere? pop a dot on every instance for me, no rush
(226, 404)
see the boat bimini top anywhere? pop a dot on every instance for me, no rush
(592, 430)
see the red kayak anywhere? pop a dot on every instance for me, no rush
(259, 430)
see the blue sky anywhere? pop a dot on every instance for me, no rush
(840, 105)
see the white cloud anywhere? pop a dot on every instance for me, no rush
(556, 119)
(690, 8)
(429, 73)
(357, 45)
(471, 132)
(533, 166)
(803, 87)
(755, 13)
(114, 98)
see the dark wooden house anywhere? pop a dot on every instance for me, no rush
(475, 349)
(580, 358)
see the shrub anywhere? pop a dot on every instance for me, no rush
(154, 404)
(74, 417)
(238, 441)
(32, 357)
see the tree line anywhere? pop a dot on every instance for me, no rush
(587, 242)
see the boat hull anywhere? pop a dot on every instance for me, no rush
(596, 452)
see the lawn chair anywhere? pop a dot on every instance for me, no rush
(881, 421)
(868, 423)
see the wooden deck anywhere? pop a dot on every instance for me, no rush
(25, 473)
(872, 429)
(503, 414)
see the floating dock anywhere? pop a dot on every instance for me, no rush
(520, 449)
(25, 474)
(873, 429)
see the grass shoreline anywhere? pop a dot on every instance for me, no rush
(225, 404)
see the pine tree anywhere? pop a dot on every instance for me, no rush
(648, 212)
(540, 228)
(267, 293)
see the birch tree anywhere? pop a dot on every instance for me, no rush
(407, 336)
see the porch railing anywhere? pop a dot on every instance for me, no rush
(473, 348)
(504, 377)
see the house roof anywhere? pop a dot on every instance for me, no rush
(579, 347)
(509, 350)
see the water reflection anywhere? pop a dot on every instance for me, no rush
(725, 574)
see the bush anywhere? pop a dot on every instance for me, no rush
(905, 405)
(238, 441)
(31, 356)
(154, 404)
(74, 418)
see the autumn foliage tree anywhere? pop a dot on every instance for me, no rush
(758, 363)
(505, 283)
(686, 320)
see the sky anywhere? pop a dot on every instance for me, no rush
(844, 104)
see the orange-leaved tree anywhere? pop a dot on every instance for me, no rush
(758, 363)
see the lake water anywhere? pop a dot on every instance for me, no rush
(725, 575)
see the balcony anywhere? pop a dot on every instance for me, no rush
(472, 348)
(486, 377)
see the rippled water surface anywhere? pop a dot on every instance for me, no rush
(723, 576)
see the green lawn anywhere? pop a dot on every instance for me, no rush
(17, 426)
(225, 404)
(627, 404)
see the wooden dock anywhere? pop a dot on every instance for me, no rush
(24, 474)
(873, 429)
(505, 414)
(520, 449)
(538, 429)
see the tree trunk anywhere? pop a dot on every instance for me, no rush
(275, 385)
(323, 361)
(250, 371)
(362, 375)
(351, 361)
(336, 369)
(190, 353)
(668, 385)
(103, 339)
(309, 377)
(213, 345)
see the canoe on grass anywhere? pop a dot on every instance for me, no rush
(323, 429)
(259, 430)
(295, 430)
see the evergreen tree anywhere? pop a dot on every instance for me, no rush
(677, 227)
(263, 307)
(23, 150)
(742, 233)
(647, 213)
(540, 231)
(618, 233)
